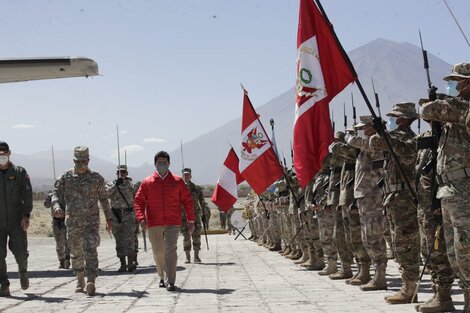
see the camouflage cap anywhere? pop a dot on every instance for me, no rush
(4, 146)
(404, 109)
(339, 136)
(81, 153)
(459, 71)
(186, 170)
(364, 120)
(122, 168)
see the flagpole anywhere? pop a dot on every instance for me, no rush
(371, 109)
(271, 147)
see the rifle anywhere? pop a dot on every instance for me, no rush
(345, 117)
(333, 120)
(354, 109)
(284, 160)
(376, 96)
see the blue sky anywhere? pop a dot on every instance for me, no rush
(171, 70)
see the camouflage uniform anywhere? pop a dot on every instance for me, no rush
(453, 168)
(199, 205)
(60, 234)
(352, 222)
(401, 212)
(344, 250)
(369, 201)
(124, 220)
(301, 244)
(17, 202)
(81, 194)
(223, 220)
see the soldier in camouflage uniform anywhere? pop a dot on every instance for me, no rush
(15, 208)
(300, 244)
(274, 222)
(401, 211)
(121, 193)
(350, 211)
(453, 168)
(60, 233)
(369, 198)
(81, 189)
(223, 220)
(344, 250)
(200, 212)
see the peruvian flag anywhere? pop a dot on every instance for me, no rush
(258, 162)
(322, 72)
(225, 192)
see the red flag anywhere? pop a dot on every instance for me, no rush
(225, 193)
(322, 72)
(258, 162)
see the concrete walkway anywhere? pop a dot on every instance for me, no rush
(235, 276)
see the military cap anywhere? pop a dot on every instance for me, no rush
(4, 146)
(122, 168)
(404, 109)
(459, 71)
(364, 120)
(186, 170)
(340, 136)
(81, 153)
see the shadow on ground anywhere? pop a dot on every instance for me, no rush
(213, 291)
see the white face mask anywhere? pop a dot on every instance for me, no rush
(392, 123)
(451, 88)
(4, 160)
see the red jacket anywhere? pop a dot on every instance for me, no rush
(159, 201)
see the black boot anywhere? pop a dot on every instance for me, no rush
(123, 267)
(131, 264)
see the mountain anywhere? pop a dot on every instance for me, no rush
(398, 74)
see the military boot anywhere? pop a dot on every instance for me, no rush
(344, 273)
(67, 263)
(135, 258)
(297, 255)
(363, 275)
(378, 282)
(287, 251)
(61, 264)
(330, 268)
(434, 289)
(123, 266)
(5, 290)
(24, 280)
(466, 296)
(80, 282)
(131, 266)
(197, 259)
(188, 257)
(314, 263)
(304, 258)
(441, 302)
(276, 247)
(90, 285)
(404, 295)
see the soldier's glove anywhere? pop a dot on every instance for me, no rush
(119, 181)
(378, 125)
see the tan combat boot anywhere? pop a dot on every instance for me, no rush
(287, 251)
(196, 257)
(441, 302)
(90, 285)
(295, 256)
(304, 258)
(363, 276)
(314, 263)
(378, 282)
(404, 295)
(434, 289)
(188, 257)
(330, 268)
(344, 273)
(80, 282)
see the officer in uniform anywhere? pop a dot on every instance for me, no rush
(60, 234)
(201, 211)
(15, 208)
(81, 189)
(121, 194)
(453, 169)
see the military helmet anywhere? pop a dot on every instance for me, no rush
(404, 109)
(81, 153)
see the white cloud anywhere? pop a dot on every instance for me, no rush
(23, 126)
(128, 149)
(154, 140)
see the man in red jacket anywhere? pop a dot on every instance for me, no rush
(157, 206)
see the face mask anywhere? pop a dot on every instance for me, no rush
(451, 88)
(392, 123)
(4, 160)
(81, 168)
(162, 168)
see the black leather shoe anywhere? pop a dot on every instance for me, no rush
(171, 287)
(161, 284)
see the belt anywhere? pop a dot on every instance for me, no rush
(377, 164)
(349, 166)
(123, 209)
(444, 179)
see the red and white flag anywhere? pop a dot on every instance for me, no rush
(225, 193)
(258, 162)
(322, 72)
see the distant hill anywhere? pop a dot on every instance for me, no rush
(397, 70)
